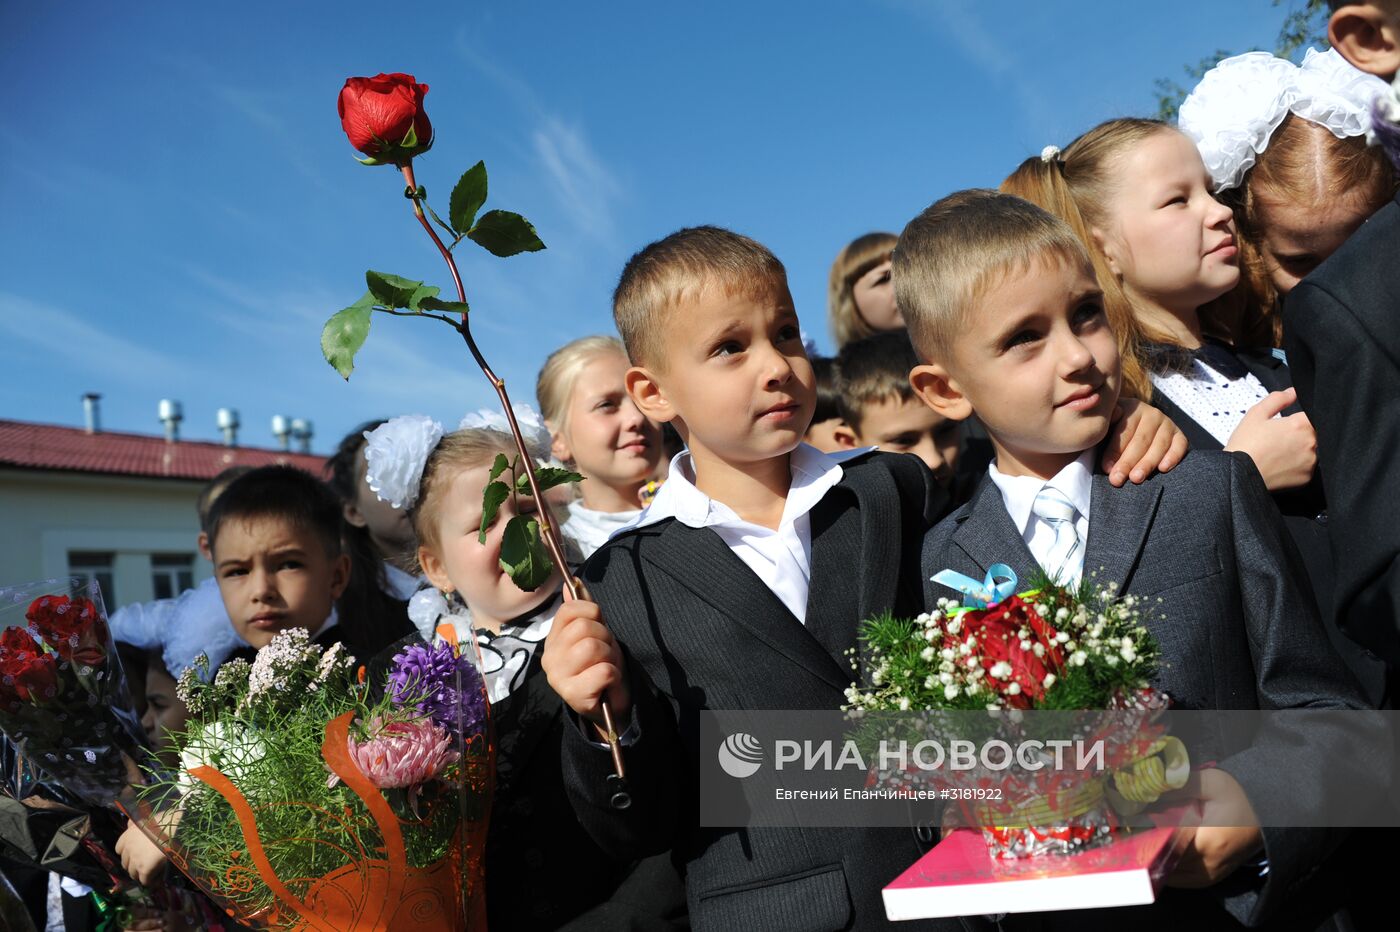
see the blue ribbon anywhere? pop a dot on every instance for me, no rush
(981, 593)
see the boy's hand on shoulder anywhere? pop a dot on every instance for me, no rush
(583, 663)
(1141, 441)
(1228, 834)
(141, 858)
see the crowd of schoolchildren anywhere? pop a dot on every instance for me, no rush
(1048, 352)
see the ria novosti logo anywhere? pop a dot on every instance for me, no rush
(740, 755)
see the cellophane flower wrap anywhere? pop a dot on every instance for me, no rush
(974, 671)
(64, 701)
(319, 794)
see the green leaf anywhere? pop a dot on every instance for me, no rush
(433, 304)
(547, 477)
(345, 333)
(467, 197)
(491, 500)
(505, 234)
(440, 221)
(499, 466)
(391, 290)
(420, 294)
(524, 555)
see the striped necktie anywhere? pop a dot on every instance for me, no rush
(1052, 507)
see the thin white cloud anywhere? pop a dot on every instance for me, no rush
(582, 184)
(579, 179)
(255, 111)
(959, 21)
(74, 340)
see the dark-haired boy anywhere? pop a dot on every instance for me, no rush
(1342, 334)
(879, 409)
(275, 538)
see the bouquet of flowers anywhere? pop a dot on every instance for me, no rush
(64, 701)
(1050, 649)
(315, 796)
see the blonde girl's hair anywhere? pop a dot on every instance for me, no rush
(1306, 165)
(1074, 186)
(560, 372)
(859, 256)
(457, 451)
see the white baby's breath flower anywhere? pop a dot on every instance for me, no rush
(1048, 681)
(950, 691)
(1001, 670)
(955, 626)
(928, 653)
(395, 454)
(1061, 613)
(1014, 689)
(904, 704)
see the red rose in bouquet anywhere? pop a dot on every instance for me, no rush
(27, 673)
(73, 627)
(1018, 650)
(384, 117)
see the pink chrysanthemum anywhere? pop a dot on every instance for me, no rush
(403, 754)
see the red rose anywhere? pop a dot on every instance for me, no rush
(384, 118)
(73, 627)
(997, 630)
(26, 672)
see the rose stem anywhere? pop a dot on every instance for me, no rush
(546, 518)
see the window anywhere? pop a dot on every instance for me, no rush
(96, 565)
(171, 574)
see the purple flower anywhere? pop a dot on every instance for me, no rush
(441, 685)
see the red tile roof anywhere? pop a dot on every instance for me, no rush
(72, 449)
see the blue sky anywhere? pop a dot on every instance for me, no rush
(181, 211)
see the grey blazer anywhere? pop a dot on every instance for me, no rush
(700, 631)
(1237, 626)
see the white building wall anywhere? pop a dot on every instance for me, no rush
(46, 515)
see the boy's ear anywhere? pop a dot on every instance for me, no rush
(648, 395)
(204, 550)
(937, 389)
(845, 437)
(1365, 36)
(340, 575)
(1108, 248)
(434, 569)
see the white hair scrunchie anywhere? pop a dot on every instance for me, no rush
(1234, 110)
(396, 453)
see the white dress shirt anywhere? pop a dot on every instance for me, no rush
(1018, 493)
(399, 584)
(591, 529)
(781, 558)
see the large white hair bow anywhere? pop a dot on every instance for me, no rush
(1240, 102)
(396, 453)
